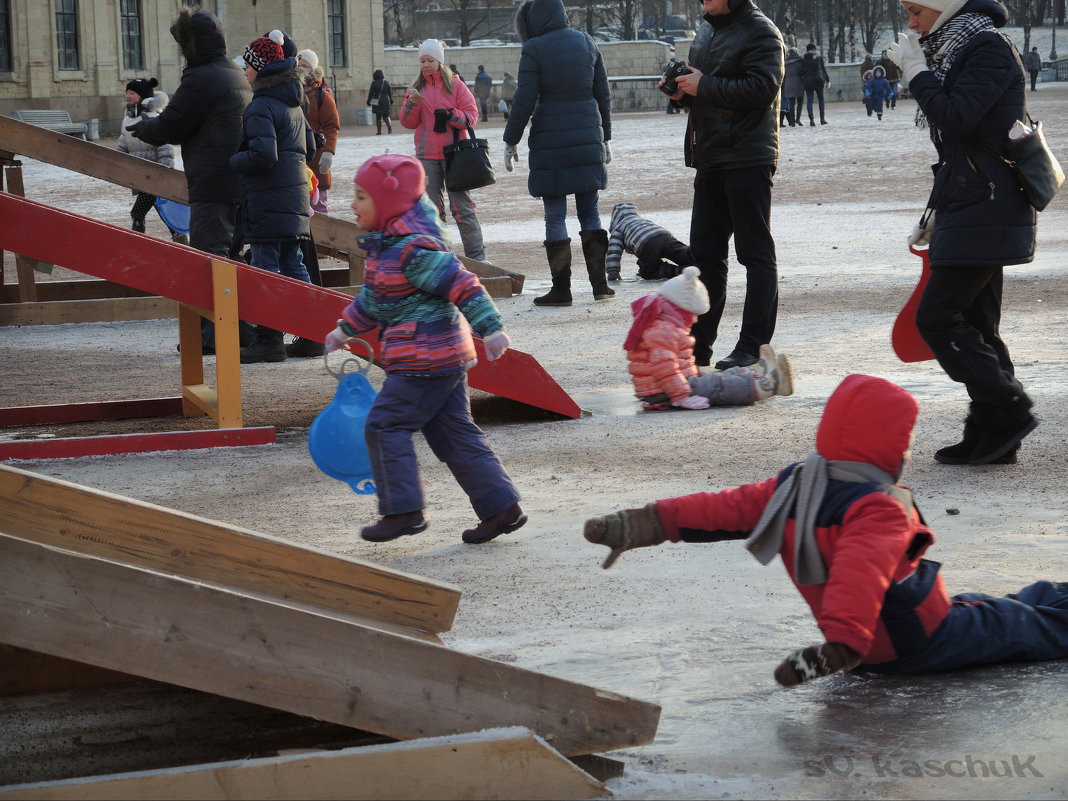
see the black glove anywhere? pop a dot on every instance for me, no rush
(320, 139)
(135, 129)
(441, 117)
(815, 662)
(631, 528)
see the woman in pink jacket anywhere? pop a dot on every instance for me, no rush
(436, 104)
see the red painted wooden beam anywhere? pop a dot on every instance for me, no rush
(184, 274)
(109, 444)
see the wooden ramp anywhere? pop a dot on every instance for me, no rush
(127, 586)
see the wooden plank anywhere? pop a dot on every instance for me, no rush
(89, 521)
(75, 289)
(102, 310)
(81, 412)
(325, 666)
(110, 444)
(505, 763)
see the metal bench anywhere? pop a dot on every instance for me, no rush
(53, 119)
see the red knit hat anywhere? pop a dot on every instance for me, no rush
(261, 52)
(394, 181)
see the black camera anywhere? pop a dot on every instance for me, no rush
(320, 139)
(673, 71)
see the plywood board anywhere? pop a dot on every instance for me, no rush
(499, 764)
(324, 666)
(89, 521)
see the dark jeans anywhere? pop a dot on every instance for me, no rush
(1034, 78)
(734, 203)
(818, 91)
(439, 407)
(958, 317)
(1028, 626)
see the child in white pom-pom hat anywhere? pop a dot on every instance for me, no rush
(424, 304)
(660, 355)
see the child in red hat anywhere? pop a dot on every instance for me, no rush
(415, 291)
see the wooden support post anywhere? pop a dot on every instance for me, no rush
(23, 267)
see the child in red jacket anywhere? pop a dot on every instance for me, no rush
(852, 541)
(660, 355)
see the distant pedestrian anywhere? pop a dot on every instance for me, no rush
(893, 77)
(380, 99)
(483, 90)
(815, 79)
(1033, 64)
(793, 87)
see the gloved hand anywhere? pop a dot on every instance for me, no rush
(621, 531)
(607, 152)
(325, 161)
(921, 234)
(496, 344)
(815, 662)
(336, 340)
(691, 402)
(441, 118)
(511, 156)
(135, 129)
(907, 54)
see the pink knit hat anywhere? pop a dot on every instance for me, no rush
(394, 182)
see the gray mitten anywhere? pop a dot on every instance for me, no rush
(621, 531)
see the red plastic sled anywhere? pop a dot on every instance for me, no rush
(905, 337)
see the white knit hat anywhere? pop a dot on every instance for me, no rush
(310, 57)
(686, 291)
(949, 9)
(433, 48)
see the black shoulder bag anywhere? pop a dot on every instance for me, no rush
(467, 164)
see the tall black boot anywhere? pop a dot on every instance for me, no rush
(268, 347)
(594, 248)
(559, 254)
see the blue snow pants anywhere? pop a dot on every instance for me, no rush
(1028, 626)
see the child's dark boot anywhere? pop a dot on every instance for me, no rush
(504, 522)
(391, 527)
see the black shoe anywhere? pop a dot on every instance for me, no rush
(264, 351)
(738, 358)
(307, 348)
(139, 226)
(391, 527)
(510, 519)
(995, 444)
(613, 275)
(205, 349)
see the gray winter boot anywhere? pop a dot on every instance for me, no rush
(559, 254)
(772, 375)
(594, 249)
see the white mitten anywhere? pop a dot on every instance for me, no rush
(921, 234)
(691, 402)
(336, 340)
(496, 344)
(325, 161)
(511, 156)
(907, 54)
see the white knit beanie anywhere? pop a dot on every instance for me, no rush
(949, 9)
(686, 291)
(310, 57)
(434, 49)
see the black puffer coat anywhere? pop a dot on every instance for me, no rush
(563, 84)
(272, 159)
(981, 215)
(734, 119)
(204, 115)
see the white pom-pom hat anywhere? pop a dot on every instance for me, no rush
(686, 291)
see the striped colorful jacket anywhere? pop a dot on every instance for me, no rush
(627, 231)
(421, 297)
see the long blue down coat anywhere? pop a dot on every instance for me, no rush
(272, 159)
(563, 84)
(981, 215)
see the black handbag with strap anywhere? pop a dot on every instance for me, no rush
(1037, 170)
(467, 163)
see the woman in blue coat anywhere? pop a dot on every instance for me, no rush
(968, 82)
(563, 85)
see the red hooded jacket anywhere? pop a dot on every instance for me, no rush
(880, 598)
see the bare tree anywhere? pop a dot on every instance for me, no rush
(398, 21)
(628, 10)
(872, 15)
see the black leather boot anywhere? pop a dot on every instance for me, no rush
(1001, 429)
(594, 249)
(559, 254)
(268, 347)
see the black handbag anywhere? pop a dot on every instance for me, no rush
(467, 163)
(1037, 170)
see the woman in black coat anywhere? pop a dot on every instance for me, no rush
(380, 99)
(968, 82)
(562, 83)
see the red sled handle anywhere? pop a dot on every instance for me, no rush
(905, 337)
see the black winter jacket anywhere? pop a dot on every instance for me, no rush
(204, 114)
(273, 156)
(981, 215)
(734, 118)
(562, 82)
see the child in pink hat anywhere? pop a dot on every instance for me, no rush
(412, 290)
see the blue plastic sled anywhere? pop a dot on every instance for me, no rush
(174, 215)
(335, 439)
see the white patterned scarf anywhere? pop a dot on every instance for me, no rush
(944, 45)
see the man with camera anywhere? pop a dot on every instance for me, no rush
(731, 88)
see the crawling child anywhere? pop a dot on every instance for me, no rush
(660, 254)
